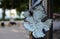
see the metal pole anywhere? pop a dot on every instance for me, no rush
(30, 4)
(51, 16)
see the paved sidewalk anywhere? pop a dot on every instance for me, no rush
(56, 35)
(13, 32)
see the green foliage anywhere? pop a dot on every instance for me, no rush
(22, 7)
(0, 19)
(18, 4)
(56, 6)
(4, 19)
(18, 19)
(9, 19)
(57, 10)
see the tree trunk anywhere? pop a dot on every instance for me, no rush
(3, 15)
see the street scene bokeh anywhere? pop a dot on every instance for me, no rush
(12, 18)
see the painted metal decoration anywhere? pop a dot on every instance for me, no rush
(34, 23)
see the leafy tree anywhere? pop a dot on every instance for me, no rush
(56, 5)
(17, 4)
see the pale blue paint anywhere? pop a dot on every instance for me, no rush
(34, 23)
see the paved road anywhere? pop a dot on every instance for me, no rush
(56, 35)
(56, 25)
(13, 32)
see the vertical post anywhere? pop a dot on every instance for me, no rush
(50, 15)
(30, 4)
(50, 8)
(3, 17)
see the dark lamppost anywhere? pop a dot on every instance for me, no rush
(50, 15)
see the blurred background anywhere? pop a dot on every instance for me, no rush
(56, 19)
(11, 19)
(12, 9)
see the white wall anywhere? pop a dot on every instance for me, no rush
(1, 11)
(11, 13)
(22, 15)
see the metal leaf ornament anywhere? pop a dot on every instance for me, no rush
(34, 23)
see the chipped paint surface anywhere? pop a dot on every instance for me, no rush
(34, 23)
